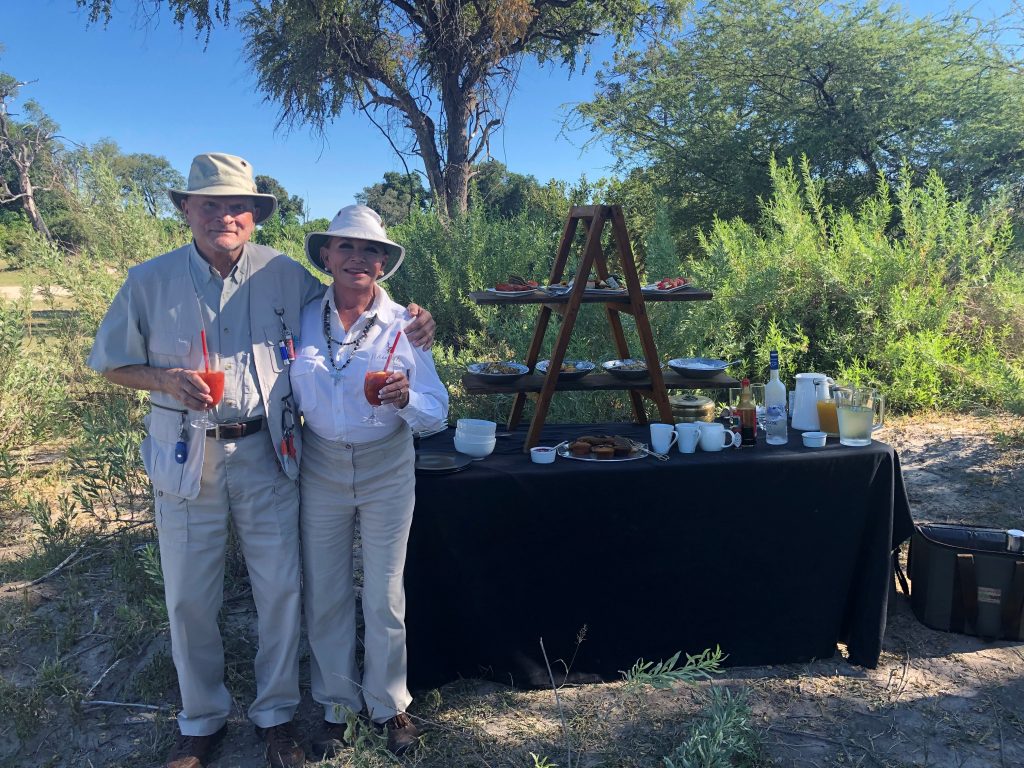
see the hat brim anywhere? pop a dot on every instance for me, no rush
(265, 204)
(316, 240)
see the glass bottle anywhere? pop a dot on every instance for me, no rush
(747, 410)
(776, 431)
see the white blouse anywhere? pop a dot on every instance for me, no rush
(333, 403)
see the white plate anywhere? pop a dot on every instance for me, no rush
(653, 288)
(562, 449)
(424, 434)
(524, 292)
(561, 290)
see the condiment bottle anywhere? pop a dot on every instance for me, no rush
(747, 410)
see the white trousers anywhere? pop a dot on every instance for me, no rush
(339, 481)
(242, 481)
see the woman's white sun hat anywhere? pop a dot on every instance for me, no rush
(218, 175)
(359, 222)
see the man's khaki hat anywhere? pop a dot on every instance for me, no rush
(220, 175)
(359, 222)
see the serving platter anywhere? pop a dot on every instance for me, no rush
(480, 369)
(697, 367)
(583, 367)
(441, 463)
(562, 449)
(622, 369)
(524, 292)
(653, 288)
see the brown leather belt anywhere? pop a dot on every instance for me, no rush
(235, 431)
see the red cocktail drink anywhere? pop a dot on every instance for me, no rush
(215, 381)
(372, 385)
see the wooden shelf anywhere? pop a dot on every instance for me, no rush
(593, 382)
(539, 297)
(593, 264)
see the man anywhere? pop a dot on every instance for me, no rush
(239, 303)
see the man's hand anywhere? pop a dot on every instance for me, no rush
(188, 388)
(185, 386)
(421, 330)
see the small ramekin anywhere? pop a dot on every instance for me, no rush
(814, 439)
(542, 455)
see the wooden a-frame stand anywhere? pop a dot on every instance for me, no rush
(592, 257)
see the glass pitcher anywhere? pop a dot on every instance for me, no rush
(860, 411)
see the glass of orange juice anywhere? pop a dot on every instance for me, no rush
(828, 420)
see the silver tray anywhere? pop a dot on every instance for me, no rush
(562, 450)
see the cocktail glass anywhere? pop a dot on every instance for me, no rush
(214, 378)
(372, 385)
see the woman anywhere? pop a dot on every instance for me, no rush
(353, 468)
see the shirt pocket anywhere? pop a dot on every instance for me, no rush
(170, 350)
(304, 374)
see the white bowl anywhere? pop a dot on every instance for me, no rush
(476, 450)
(542, 455)
(460, 432)
(815, 439)
(465, 439)
(476, 427)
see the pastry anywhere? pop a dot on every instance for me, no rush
(603, 451)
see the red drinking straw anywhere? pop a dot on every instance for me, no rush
(206, 354)
(388, 361)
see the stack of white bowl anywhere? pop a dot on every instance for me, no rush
(475, 437)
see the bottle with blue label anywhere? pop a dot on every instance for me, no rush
(776, 431)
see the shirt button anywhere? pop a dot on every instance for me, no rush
(159, 493)
(348, 446)
(227, 330)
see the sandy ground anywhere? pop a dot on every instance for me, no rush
(936, 699)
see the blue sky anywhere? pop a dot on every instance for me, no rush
(154, 89)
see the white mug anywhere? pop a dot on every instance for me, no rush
(688, 434)
(715, 437)
(663, 436)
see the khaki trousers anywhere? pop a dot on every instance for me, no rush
(242, 481)
(376, 482)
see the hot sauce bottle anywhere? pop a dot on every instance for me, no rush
(748, 416)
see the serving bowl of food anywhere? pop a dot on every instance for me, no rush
(630, 369)
(697, 367)
(497, 373)
(571, 369)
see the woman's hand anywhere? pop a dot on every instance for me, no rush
(420, 331)
(395, 391)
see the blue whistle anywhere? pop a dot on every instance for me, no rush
(180, 451)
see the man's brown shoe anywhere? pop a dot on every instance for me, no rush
(403, 735)
(193, 751)
(329, 740)
(283, 747)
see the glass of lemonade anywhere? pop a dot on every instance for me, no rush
(860, 411)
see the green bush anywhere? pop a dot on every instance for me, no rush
(918, 295)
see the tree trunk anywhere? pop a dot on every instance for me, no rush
(28, 202)
(459, 101)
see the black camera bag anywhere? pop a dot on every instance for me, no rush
(965, 580)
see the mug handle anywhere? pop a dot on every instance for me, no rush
(732, 439)
(673, 441)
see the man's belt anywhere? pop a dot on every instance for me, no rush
(235, 431)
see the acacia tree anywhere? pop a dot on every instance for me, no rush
(436, 73)
(860, 90)
(27, 150)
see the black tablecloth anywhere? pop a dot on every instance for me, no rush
(773, 553)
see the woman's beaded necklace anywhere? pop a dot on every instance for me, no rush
(336, 373)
